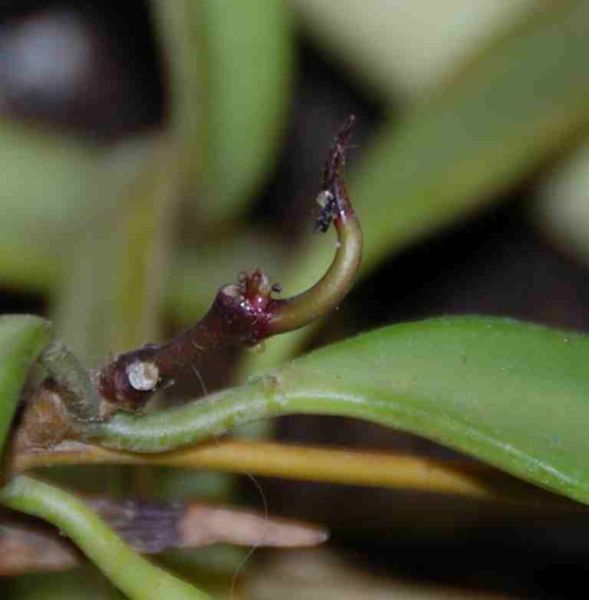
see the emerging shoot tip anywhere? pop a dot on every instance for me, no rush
(245, 313)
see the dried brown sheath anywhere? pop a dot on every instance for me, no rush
(30, 546)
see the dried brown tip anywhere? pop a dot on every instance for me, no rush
(152, 527)
(202, 525)
(32, 548)
(29, 546)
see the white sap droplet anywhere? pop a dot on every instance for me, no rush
(143, 376)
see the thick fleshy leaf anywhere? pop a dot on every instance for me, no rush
(512, 394)
(22, 338)
(515, 395)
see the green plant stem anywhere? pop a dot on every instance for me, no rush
(194, 422)
(128, 571)
(22, 339)
(78, 391)
(332, 287)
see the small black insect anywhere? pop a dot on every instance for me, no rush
(328, 209)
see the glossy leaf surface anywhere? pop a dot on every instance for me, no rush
(513, 394)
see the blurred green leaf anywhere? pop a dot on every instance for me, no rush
(53, 187)
(111, 295)
(229, 66)
(198, 271)
(520, 102)
(405, 49)
(22, 338)
(48, 187)
(512, 394)
(46, 182)
(62, 586)
(184, 52)
(562, 206)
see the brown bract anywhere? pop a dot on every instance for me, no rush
(44, 421)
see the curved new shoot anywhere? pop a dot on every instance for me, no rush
(336, 207)
(247, 312)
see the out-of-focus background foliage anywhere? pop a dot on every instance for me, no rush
(151, 150)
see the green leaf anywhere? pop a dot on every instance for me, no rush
(229, 66)
(22, 339)
(200, 269)
(517, 104)
(512, 394)
(46, 182)
(46, 189)
(128, 571)
(562, 207)
(110, 297)
(53, 187)
(386, 39)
